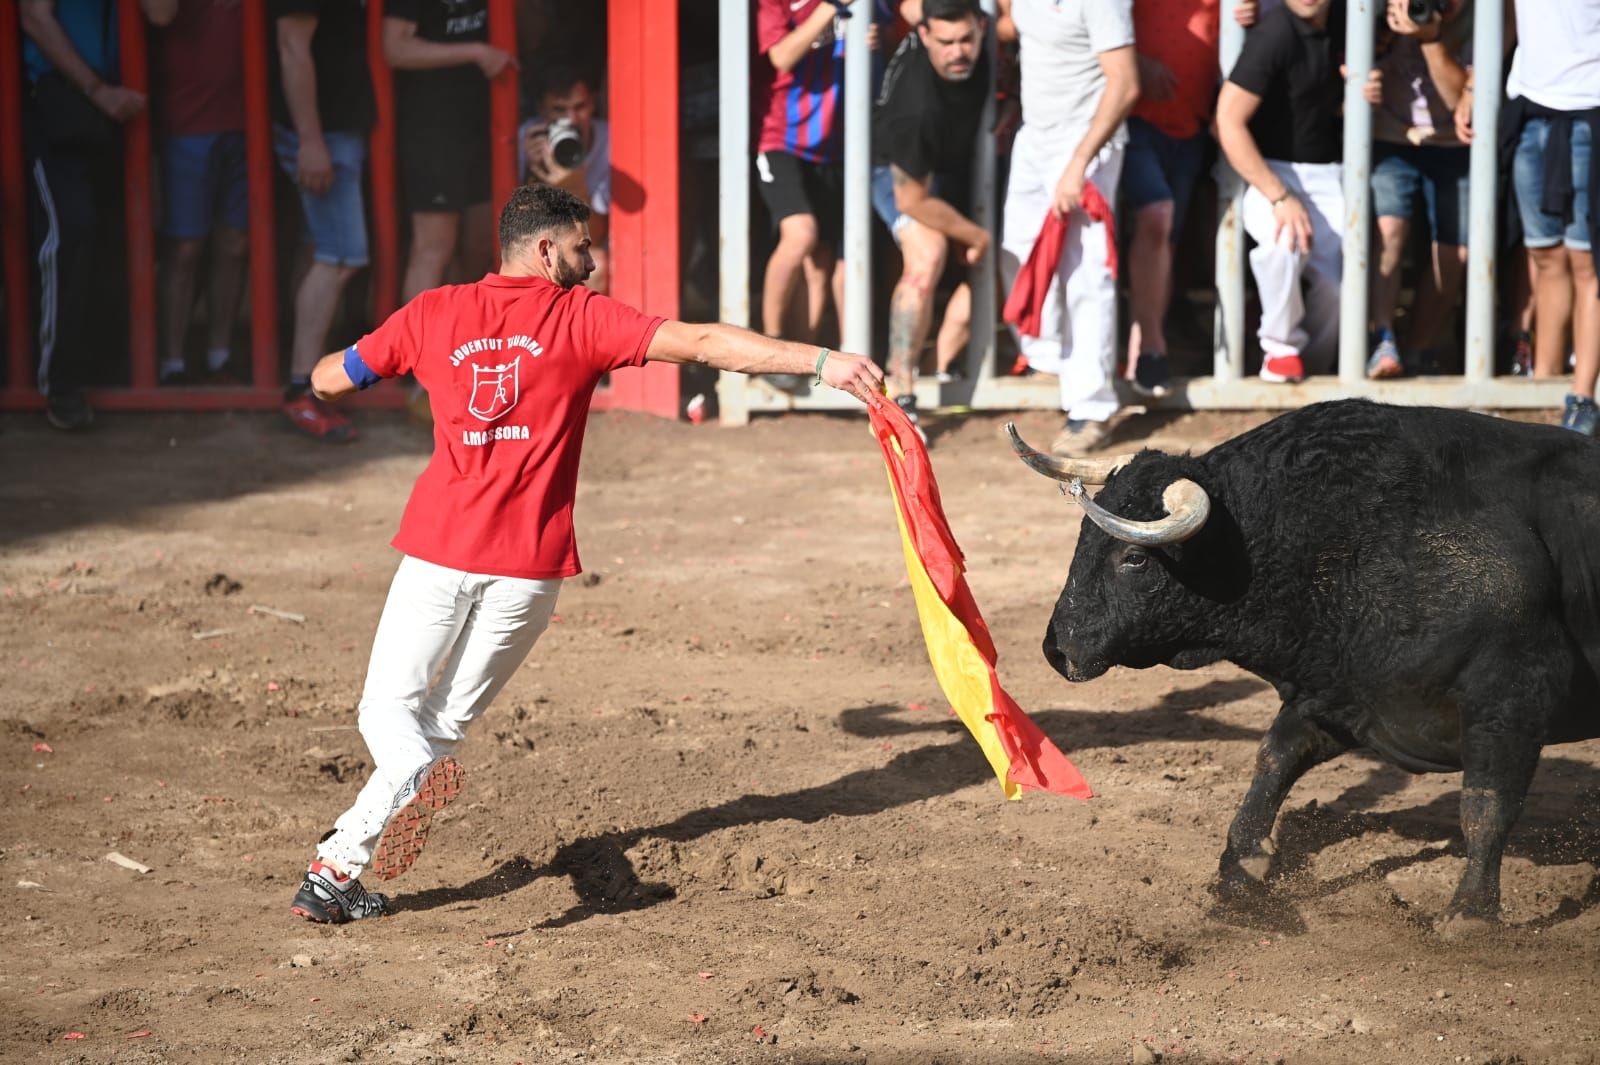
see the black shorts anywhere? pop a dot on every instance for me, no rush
(443, 163)
(790, 185)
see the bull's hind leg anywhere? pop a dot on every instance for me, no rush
(1293, 745)
(1499, 766)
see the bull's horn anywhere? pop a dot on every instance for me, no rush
(1187, 505)
(1089, 471)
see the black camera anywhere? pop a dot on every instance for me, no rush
(566, 144)
(1423, 12)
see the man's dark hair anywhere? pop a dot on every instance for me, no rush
(950, 10)
(535, 208)
(558, 79)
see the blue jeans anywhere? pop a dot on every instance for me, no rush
(336, 220)
(203, 180)
(883, 200)
(1156, 167)
(1539, 228)
(1400, 171)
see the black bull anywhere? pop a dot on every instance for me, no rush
(1422, 583)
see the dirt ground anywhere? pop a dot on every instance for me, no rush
(722, 815)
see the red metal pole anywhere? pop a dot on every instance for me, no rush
(138, 204)
(14, 205)
(258, 37)
(502, 113)
(385, 222)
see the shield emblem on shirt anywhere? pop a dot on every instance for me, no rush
(494, 390)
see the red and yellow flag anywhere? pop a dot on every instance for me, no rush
(959, 645)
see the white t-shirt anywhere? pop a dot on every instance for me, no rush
(1061, 42)
(1557, 63)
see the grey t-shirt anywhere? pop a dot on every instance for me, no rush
(1061, 43)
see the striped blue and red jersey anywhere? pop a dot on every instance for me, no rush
(804, 110)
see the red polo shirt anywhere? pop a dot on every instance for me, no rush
(510, 365)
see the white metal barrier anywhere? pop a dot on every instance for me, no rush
(1226, 387)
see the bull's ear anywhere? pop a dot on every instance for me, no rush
(1089, 471)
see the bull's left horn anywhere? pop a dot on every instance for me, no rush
(1187, 505)
(1089, 471)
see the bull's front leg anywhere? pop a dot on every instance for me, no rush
(1499, 766)
(1291, 746)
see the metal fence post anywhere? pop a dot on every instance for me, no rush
(733, 188)
(1487, 58)
(1359, 33)
(856, 314)
(1228, 331)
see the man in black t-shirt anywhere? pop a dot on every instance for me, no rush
(443, 64)
(321, 111)
(1280, 123)
(924, 134)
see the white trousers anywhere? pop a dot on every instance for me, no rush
(1293, 323)
(1079, 325)
(446, 644)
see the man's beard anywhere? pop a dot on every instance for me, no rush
(569, 276)
(962, 73)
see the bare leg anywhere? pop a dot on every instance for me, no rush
(797, 238)
(1437, 300)
(1392, 233)
(315, 303)
(433, 242)
(230, 251)
(1585, 322)
(1150, 278)
(818, 269)
(911, 308)
(177, 297)
(1552, 297)
(838, 296)
(955, 330)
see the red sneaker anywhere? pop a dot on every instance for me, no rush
(315, 418)
(1283, 369)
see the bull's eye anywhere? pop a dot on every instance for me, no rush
(1134, 560)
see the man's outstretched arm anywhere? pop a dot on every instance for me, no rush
(727, 347)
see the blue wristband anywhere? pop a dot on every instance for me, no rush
(359, 372)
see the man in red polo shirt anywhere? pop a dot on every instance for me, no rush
(509, 364)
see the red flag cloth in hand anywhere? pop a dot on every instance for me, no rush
(1025, 306)
(959, 645)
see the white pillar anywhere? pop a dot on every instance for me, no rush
(1487, 36)
(733, 180)
(1228, 332)
(1358, 50)
(857, 309)
(979, 360)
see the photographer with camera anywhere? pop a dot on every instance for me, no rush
(565, 145)
(1418, 161)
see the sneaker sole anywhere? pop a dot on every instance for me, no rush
(1280, 379)
(1152, 391)
(407, 831)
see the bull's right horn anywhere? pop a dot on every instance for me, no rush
(1089, 471)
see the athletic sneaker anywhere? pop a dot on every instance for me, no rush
(315, 418)
(1522, 356)
(327, 897)
(433, 788)
(1580, 415)
(68, 411)
(1385, 359)
(1151, 375)
(1283, 369)
(908, 406)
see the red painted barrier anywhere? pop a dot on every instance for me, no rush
(502, 112)
(14, 205)
(258, 37)
(139, 205)
(380, 145)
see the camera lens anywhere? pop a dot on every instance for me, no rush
(566, 146)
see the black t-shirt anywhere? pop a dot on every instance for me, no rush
(926, 125)
(447, 94)
(1294, 68)
(339, 55)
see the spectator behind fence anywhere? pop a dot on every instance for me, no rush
(1280, 124)
(71, 114)
(322, 109)
(1176, 41)
(565, 104)
(800, 154)
(443, 65)
(1554, 115)
(924, 133)
(1417, 155)
(205, 187)
(1079, 82)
